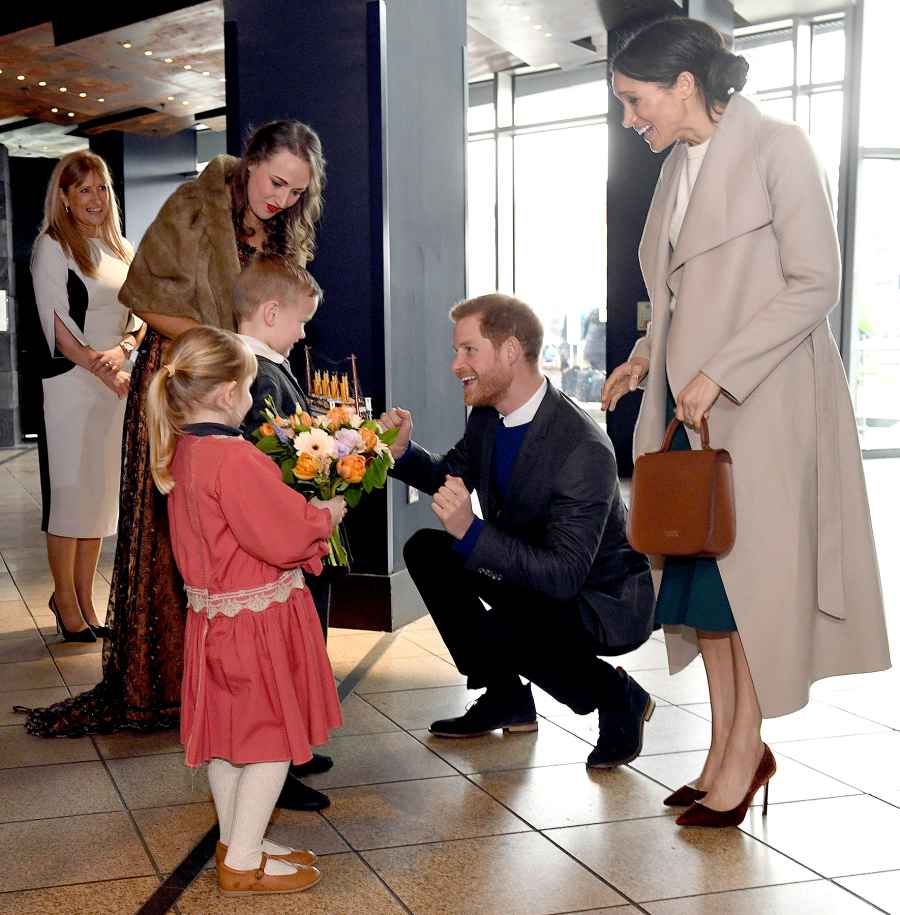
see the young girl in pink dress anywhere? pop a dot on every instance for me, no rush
(258, 689)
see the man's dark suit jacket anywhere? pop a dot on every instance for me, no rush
(561, 529)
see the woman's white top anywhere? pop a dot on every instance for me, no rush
(89, 306)
(686, 181)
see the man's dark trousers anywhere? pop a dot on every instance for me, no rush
(524, 633)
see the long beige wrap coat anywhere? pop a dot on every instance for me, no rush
(756, 272)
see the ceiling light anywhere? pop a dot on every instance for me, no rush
(20, 76)
(71, 114)
(170, 98)
(206, 72)
(188, 67)
(126, 44)
(184, 103)
(168, 60)
(101, 99)
(82, 95)
(221, 79)
(55, 110)
(62, 89)
(537, 28)
(43, 82)
(199, 127)
(548, 34)
(148, 53)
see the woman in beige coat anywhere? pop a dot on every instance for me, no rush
(740, 257)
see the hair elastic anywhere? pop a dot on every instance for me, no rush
(169, 368)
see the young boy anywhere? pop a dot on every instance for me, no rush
(273, 301)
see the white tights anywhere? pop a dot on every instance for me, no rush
(245, 798)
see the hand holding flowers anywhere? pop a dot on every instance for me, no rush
(327, 458)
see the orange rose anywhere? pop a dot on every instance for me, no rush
(284, 423)
(306, 467)
(370, 439)
(306, 419)
(337, 417)
(266, 429)
(352, 468)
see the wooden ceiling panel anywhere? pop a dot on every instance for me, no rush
(114, 78)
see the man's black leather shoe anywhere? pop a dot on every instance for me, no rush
(316, 766)
(513, 711)
(297, 796)
(622, 729)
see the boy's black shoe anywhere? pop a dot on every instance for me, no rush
(297, 796)
(316, 766)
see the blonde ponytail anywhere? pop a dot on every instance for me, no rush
(196, 363)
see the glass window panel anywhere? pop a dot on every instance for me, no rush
(826, 129)
(771, 64)
(875, 340)
(782, 107)
(481, 234)
(481, 117)
(578, 101)
(828, 53)
(879, 124)
(560, 245)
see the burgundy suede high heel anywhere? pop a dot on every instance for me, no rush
(701, 815)
(684, 797)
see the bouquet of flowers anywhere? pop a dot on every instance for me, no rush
(337, 454)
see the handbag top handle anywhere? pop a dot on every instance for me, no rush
(673, 428)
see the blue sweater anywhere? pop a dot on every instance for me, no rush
(507, 445)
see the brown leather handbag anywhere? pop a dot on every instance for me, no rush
(682, 502)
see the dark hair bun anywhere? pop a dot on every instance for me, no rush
(660, 51)
(727, 74)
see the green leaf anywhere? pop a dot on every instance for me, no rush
(287, 471)
(353, 496)
(389, 436)
(269, 445)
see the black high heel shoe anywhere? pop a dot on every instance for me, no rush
(101, 632)
(83, 635)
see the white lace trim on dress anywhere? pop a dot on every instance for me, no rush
(230, 603)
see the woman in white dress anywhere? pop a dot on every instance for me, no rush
(79, 263)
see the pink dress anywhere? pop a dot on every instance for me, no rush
(257, 685)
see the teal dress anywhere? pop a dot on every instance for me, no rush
(692, 592)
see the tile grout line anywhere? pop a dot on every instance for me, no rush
(529, 830)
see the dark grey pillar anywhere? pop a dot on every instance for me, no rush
(146, 170)
(10, 431)
(384, 86)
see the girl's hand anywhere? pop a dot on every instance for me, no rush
(622, 381)
(337, 506)
(696, 400)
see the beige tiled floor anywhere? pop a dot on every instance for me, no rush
(493, 826)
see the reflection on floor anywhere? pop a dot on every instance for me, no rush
(494, 826)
